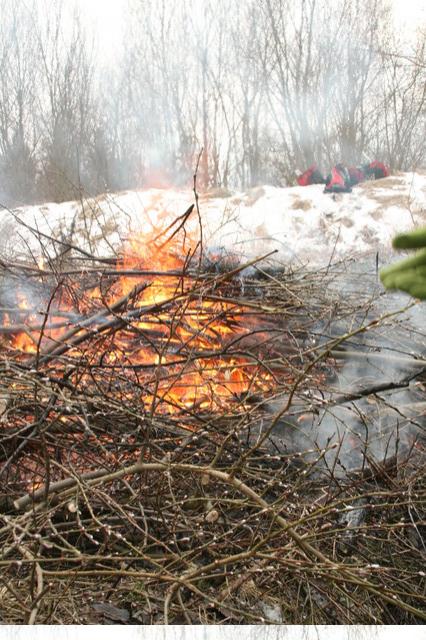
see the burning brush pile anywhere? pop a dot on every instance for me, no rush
(140, 479)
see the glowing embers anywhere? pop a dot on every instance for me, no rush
(24, 342)
(184, 362)
(149, 331)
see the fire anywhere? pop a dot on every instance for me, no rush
(175, 344)
(24, 342)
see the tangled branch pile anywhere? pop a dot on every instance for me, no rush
(142, 481)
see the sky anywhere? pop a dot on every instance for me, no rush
(107, 17)
(408, 13)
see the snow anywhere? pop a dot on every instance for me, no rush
(303, 224)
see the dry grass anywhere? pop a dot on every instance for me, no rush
(390, 200)
(303, 205)
(392, 182)
(217, 192)
(249, 198)
(347, 222)
(198, 516)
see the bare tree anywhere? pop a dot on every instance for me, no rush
(18, 80)
(66, 105)
(262, 87)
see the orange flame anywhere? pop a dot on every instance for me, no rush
(175, 345)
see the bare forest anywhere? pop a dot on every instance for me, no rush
(262, 86)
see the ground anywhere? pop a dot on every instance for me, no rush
(302, 224)
(267, 465)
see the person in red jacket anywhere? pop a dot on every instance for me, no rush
(338, 181)
(356, 175)
(376, 170)
(312, 175)
(342, 179)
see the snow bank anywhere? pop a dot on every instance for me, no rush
(302, 223)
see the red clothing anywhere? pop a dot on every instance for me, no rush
(356, 175)
(305, 179)
(379, 169)
(336, 179)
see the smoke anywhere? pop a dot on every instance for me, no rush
(262, 88)
(371, 408)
